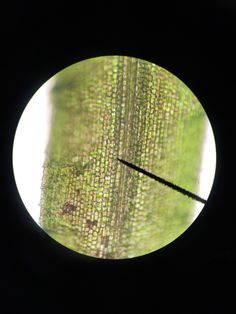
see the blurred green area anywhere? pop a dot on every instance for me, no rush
(110, 107)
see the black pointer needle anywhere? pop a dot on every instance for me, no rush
(163, 181)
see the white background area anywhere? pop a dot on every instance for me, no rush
(29, 148)
(207, 168)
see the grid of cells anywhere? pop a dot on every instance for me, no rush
(113, 107)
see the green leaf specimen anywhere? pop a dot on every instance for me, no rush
(110, 107)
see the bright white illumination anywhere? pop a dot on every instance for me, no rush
(29, 148)
(207, 168)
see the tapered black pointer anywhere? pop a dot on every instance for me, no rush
(163, 181)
